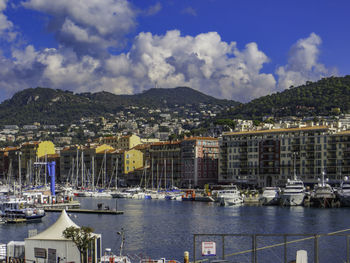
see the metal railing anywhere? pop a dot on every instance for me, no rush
(288, 240)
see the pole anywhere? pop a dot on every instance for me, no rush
(186, 257)
(285, 248)
(152, 176)
(316, 249)
(19, 172)
(165, 174)
(172, 173)
(93, 173)
(45, 170)
(116, 171)
(82, 168)
(223, 246)
(77, 168)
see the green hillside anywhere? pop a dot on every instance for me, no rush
(313, 98)
(50, 106)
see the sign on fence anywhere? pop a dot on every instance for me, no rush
(208, 249)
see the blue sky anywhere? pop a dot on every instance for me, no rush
(233, 49)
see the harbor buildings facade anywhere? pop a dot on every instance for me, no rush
(122, 142)
(271, 157)
(164, 164)
(199, 161)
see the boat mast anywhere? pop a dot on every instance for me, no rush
(82, 168)
(116, 172)
(172, 173)
(145, 171)
(164, 173)
(294, 164)
(105, 169)
(157, 176)
(322, 178)
(19, 172)
(152, 175)
(77, 167)
(45, 169)
(93, 172)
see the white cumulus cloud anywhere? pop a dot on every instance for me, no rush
(86, 29)
(88, 26)
(303, 64)
(7, 31)
(204, 62)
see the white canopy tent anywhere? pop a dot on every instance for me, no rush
(50, 246)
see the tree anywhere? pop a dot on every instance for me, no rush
(81, 237)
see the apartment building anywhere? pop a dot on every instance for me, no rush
(164, 164)
(122, 142)
(199, 161)
(271, 157)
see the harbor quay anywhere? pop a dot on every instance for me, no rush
(238, 233)
(249, 159)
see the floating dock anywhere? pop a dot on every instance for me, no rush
(70, 205)
(85, 211)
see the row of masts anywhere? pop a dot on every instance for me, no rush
(145, 181)
(35, 175)
(82, 176)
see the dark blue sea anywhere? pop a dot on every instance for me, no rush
(165, 229)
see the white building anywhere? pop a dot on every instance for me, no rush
(50, 246)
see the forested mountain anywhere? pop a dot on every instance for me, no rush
(313, 98)
(50, 106)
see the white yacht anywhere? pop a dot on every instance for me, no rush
(293, 193)
(344, 192)
(323, 194)
(126, 193)
(228, 197)
(270, 196)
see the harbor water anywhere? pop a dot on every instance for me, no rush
(160, 228)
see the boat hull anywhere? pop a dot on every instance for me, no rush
(292, 199)
(265, 200)
(324, 202)
(344, 200)
(231, 201)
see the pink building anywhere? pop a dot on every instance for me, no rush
(199, 161)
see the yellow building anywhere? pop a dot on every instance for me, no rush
(128, 142)
(130, 160)
(125, 142)
(111, 140)
(45, 148)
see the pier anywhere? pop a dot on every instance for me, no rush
(70, 205)
(86, 211)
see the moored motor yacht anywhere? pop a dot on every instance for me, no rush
(343, 192)
(270, 196)
(14, 210)
(323, 194)
(293, 193)
(229, 197)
